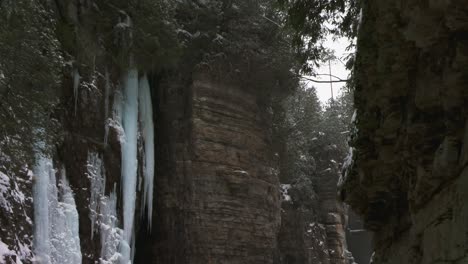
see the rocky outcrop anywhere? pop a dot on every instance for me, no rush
(313, 222)
(217, 193)
(332, 215)
(313, 225)
(408, 174)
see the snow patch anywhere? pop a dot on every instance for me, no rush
(284, 188)
(347, 166)
(4, 251)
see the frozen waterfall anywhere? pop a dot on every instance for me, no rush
(56, 238)
(103, 211)
(129, 160)
(146, 116)
(42, 172)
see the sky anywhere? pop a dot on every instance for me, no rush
(337, 68)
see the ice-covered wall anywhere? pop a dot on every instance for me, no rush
(129, 160)
(56, 238)
(103, 211)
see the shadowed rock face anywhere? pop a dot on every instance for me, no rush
(313, 224)
(409, 177)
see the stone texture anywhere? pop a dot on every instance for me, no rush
(313, 224)
(408, 175)
(218, 197)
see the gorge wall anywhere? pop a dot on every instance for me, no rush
(75, 176)
(217, 191)
(407, 173)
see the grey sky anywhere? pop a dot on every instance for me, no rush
(337, 69)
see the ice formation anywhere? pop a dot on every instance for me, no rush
(129, 160)
(111, 235)
(103, 211)
(42, 172)
(146, 115)
(56, 238)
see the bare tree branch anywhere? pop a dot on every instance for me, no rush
(318, 81)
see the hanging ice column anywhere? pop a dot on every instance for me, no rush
(56, 238)
(42, 171)
(146, 115)
(129, 160)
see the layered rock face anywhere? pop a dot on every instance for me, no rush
(217, 194)
(408, 175)
(332, 215)
(313, 224)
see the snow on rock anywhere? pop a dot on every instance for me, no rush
(284, 188)
(95, 169)
(146, 117)
(347, 165)
(4, 189)
(115, 121)
(4, 252)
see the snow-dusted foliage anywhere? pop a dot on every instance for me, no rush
(146, 117)
(12, 200)
(347, 165)
(129, 160)
(56, 238)
(76, 85)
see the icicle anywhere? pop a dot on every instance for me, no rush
(42, 169)
(146, 114)
(71, 220)
(63, 228)
(76, 84)
(111, 235)
(129, 160)
(56, 238)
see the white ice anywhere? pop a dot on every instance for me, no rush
(146, 116)
(56, 238)
(129, 159)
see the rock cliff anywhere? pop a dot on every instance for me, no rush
(407, 175)
(83, 194)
